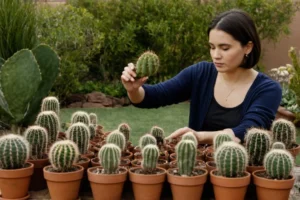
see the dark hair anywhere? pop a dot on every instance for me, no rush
(241, 27)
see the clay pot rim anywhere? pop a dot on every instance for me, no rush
(230, 182)
(147, 178)
(63, 176)
(15, 173)
(187, 180)
(22, 198)
(106, 178)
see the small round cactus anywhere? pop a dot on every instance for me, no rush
(80, 134)
(80, 116)
(145, 140)
(37, 137)
(186, 157)
(220, 138)
(278, 164)
(50, 121)
(14, 151)
(231, 159)
(63, 155)
(93, 119)
(258, 143)
(190, 136)
(117, 138)
(125, 129)
(147, 64)
(110, 157)
(158, 133)
(284, 131)
(50, 104)
(92, 131)
(278, 145)
(150, 157)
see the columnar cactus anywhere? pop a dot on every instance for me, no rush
(37, 137)
(231, 159)
(50, 121)
(278, 145)
(258, 143)
(278, 164)
(14, 151)
(110, 157)
(125, 129)
(190, 136)
(80, 116)
(158, 133)
(220, 138)
(80, 134)
(63, 155)
(117, 138)
(284, 131)
(145, 140)
(147, 64)
(50, 103)
(186, 151)
(93, 119)
(92, 131)
(150, 157)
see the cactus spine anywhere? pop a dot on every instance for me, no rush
(278, 145)
(145, 140)
(37, 137)
(50, 121)
(258, 143)
(219, 139)
(190, 136)
(109, 157)
(117, 138)
(125, 129)
(50, 104)
(93, 119)
(186, 151)
(80, 134)
(147, 64)
(80, 116)
(278, 164)
(284, 131)
(231, 159)
(150, 157)
(158, 133)
(14, 151)
(63, 154)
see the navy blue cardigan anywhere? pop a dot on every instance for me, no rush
(196, 83)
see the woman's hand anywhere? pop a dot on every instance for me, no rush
(180, 132)
(128, 79)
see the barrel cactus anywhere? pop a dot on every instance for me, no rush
(220, 138)
(278, 164)
(93, 119)
(80, 116)
(79, 133)
(14, 151)
(145, 140)
(92, 131)
(258, 143)
(37, 137)
(117, 138)
(231, 159)
(150, 157)
(284, 131)
(278, 145)
(50, 103)
(50, 121)
(110, 157)
(190, 136)
(63, 155)
(158, 133)
(125, 129)
(147, 64)
(186, 151)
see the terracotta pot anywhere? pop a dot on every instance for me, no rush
(295, 151)
(136, 163)
(173, 156)
(272, 189)
(63, 185)
(89, 155)
(147, 186)
(84, 163)
(23, 198)
(198, 164)
(230, 188)
(251, 169)
(285, 114)
(162, 163)
(137, 155)
(187, 187)
(38, 181)
(210, 165)
(128, 155)
(95, 162)
(209, 156)
(107, 186)
(14, 183)
(200, 155)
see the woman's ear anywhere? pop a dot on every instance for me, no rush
(248, 47)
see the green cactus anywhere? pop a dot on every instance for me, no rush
(278, 164)
(92, 131)
(258, 143)
(231, 159)
(37, 137)
(150, 157)
(186, 157)
(50, 121)
(63, 155)
(190, 136)
(14, 151)
(125, 129)
(284, 131)
(220, 138)
(158, 133)
(147, 64)
(145, 140)
(93, 119)
(110, 157)
(117, 138)
(79, 133)
(50, 103)
(80, 116)
(278, 145)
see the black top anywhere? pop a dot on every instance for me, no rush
(219, 117)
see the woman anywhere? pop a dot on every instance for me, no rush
(226, 94)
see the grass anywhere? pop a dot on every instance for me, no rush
(169, 118)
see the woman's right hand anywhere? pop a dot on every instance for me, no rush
(128, 79)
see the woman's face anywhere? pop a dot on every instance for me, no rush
(226, 52)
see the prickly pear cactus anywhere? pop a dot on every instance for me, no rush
(220, 138)
(80, 116)
(145, 140)
(190, 136)
(147, 64)
(79, 133)
(278, 145)
(37, 137)
(125, 129)
(186, 151)
(93, 119)
(117, 138)
(284, 131)
(150, 157)
(110, 157)
(50, 121)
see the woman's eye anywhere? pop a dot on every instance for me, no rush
(225, 49)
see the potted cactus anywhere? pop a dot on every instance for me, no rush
(147, 64)
(159, 133)
(80, 116)
(186, 181)
(125, 129)
(147, 180)
(108, 180)
(63, 176)
(50, 103)
(15, 172)
(230, 180)
(143, 141)
(276, 181)
(278, 145)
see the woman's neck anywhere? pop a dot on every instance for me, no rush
(240, 75)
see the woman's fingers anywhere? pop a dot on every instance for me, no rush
(178, 133)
